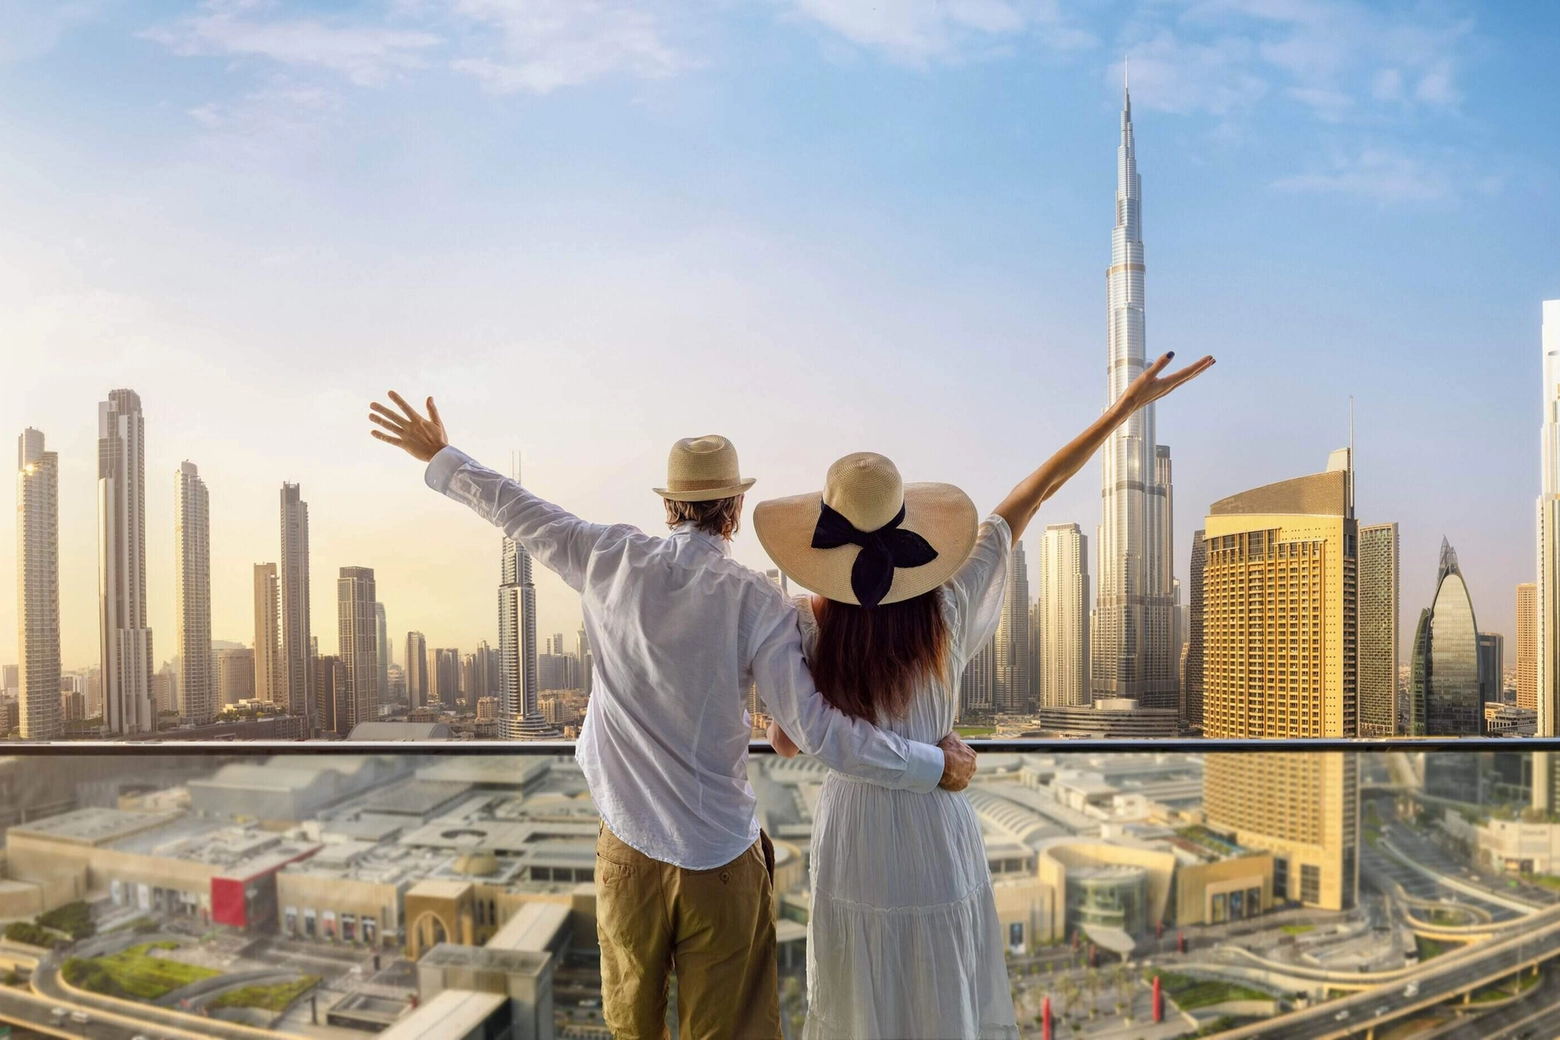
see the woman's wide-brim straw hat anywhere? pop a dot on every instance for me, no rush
(702, 469)
(869, 538)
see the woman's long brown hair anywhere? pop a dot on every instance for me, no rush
(868, 659)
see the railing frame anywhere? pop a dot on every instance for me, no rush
(1037, 746)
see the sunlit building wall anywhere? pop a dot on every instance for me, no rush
(297, 639)
(1527, 646)
(1013, 687)
(269, 684)
(357, 644)
(1279, 610)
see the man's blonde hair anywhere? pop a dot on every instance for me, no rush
(721, 517)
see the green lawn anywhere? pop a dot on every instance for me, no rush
(1547, 880)
(1297, 929)
(974, 731)
(133, 973)
(1429, 948)
(1502, 991)
(29, 933)
(1190, 994)
(276, 997)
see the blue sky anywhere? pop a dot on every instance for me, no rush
(818, 226)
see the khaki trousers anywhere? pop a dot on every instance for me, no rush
(716, 928)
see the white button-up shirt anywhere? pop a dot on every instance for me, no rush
(678, 631)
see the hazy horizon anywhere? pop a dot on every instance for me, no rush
(813, 226)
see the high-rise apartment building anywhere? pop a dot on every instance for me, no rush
(270, 685)
(39, 712)
(192, 596)
(587, 661)
(1130, 642)
(444, 677)
(1191, 703)
(1379, 579)
(1492, 663)
(1013, 691)
(1063, 610)
(1279, 614)
(517, 648)
(357, 644)
(977, 684)
(235, 670)
(1546, 777)
(1444, 686)
(382, 642)
(1527, 645)
(416, 670)
(297, 632)
(124, 633)
(330, 685)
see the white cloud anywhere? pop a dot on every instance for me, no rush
(917, 32)
(1377, 174)
(1336, 57)
(538, 46)
(29, 28)
(1175, 75)
(367, 55)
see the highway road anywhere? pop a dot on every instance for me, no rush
(1438, 980)
(1537, 1017)
(22, 1008)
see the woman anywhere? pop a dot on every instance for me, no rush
(903, 938)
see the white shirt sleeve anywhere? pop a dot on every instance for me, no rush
(852, 746)
(980, 585)
(556, 538)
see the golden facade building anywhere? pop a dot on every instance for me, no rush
(1279, 628)
(1527, 646)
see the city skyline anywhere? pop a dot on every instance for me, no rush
(1018, 244)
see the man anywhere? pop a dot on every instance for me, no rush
(678, 630)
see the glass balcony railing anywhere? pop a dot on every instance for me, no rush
(1244, 889)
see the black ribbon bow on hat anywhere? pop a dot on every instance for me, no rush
(881, 552)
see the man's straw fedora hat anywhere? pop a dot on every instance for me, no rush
(869, 538)
(702, 469)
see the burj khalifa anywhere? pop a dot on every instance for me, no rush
(1131, 637)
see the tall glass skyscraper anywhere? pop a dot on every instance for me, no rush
(1444, 691)
(1546, 777)
(357, 644)
(519, 688)
(38, 587)
(1131, 641)
(270, 685)
(125, 637)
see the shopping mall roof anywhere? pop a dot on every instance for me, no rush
(454, 1012)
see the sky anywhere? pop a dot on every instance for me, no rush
(589, 227)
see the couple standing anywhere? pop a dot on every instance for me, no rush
(903, 937)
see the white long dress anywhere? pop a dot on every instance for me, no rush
(903, 938)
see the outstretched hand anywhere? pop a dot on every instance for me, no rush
(421, 438)
(1152, 384)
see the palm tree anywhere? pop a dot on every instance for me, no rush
(1091, 981)
(1121, 977)
(1068, 990)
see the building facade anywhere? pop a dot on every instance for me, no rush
(520, 684)
(1063, 611)
(382, 641)
(1014, 690)
(1130, 642)
(416, 670)
(1379, 581)
(357, 644)
(297, 635)
(1192, 680)
(1445, 695)
(124, 632)
(269, 676)
(39, 708)
(1280, 607)
(1527, 646)
(192, 596)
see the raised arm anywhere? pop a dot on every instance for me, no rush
(559, 540)
(1021, 504)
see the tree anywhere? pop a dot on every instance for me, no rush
(1091, 982)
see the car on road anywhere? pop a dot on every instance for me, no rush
(81, 1018)
(1340, 1016)
(1411, 990)
(58, 1012)
(1382, 1010)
